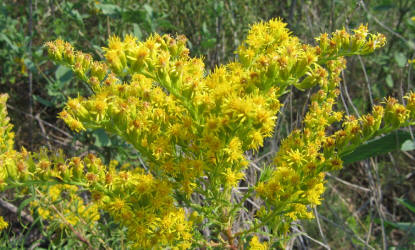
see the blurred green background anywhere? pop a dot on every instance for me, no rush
(368, 204)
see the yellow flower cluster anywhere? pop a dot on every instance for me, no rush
(134, 199)
(6, 140)
(301, 161)
(62, 205)
(6, 135)
(306, 154)
(193, 127)
(3, 224)
(255, 244)
(361, 42)
(186, 126)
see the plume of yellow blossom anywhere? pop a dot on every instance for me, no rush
(192, 128)
(3, 224)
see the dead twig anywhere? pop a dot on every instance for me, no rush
(13, 209)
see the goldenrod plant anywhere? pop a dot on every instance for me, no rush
(192, 129)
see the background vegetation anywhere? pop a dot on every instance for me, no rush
(368, 204)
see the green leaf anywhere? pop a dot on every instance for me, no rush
(30, 65)
(63, 74)
(204, 28)
(408, 145)
(43, 101)
(266, 173)
(101, 138)
(407, 205)
(23, 204)
(389, 81)
(385, 144)
(400, 59)
(404, 226)
(383, 7)
(109, 9)
(411, 44)
(137, 31)
(3, 37)
(209, 43)
(148, 9)
(77, 16)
